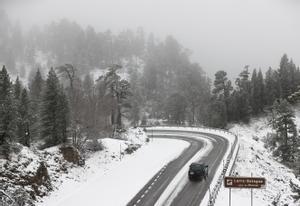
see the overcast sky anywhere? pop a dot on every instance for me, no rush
(222, 34)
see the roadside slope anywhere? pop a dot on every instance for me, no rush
(254, 158)
(114, 183)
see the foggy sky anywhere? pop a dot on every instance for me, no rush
(222, 34)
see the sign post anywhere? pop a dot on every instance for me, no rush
(229, 196)
(244, 183)
(251, 194)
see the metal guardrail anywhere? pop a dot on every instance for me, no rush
(214, 194)
(216, 189)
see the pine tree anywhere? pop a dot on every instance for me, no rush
(118, 91)
(257, 92)
(297, 77)
(54, 112)
(222, 85)
(284, 77)
(261, 91)
(220, 101)
(233, 110)
(89, 98)
(196, 89)
(7, 113)
(242, 96)
(63, 118)
(283, 123)
(25, 119)
(218, 113)
(36, 87)
(272, 86)
(293, 77)
(254, 93)
(17, 89)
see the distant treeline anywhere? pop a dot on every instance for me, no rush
(252, 95)
(162, 83)
(67, 42)
(49, 114)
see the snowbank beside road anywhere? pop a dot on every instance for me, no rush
(111, 182)
(254, 158)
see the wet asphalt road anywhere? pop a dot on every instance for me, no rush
(193, 192)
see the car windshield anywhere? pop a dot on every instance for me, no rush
(196, 166)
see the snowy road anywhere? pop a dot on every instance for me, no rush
(189, 193)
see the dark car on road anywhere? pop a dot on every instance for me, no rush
(198, 171)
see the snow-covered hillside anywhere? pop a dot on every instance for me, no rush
(109, 174)
(30, 174)
(255, 159)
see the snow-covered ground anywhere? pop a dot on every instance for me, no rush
(110, 180)
(255, 159)
(111, 173)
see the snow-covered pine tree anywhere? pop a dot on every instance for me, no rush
(7, 114)
(218, 114)
(272, 86)
(257, 92)
(261, 91)
(75, 97)
(220, 100)
(36, 87)
(89, 110)
(242, 96)
(54, 112)
(63, 116)
(288, 76)
(119, 91)
(254, 93)
(17, 89)
(283, 123)
(222, 84)
(284, 77)
(25, 119)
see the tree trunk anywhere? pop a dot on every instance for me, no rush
(119, 117)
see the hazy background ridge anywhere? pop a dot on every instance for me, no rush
(224, 34)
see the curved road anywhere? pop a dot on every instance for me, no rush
(193, 192)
